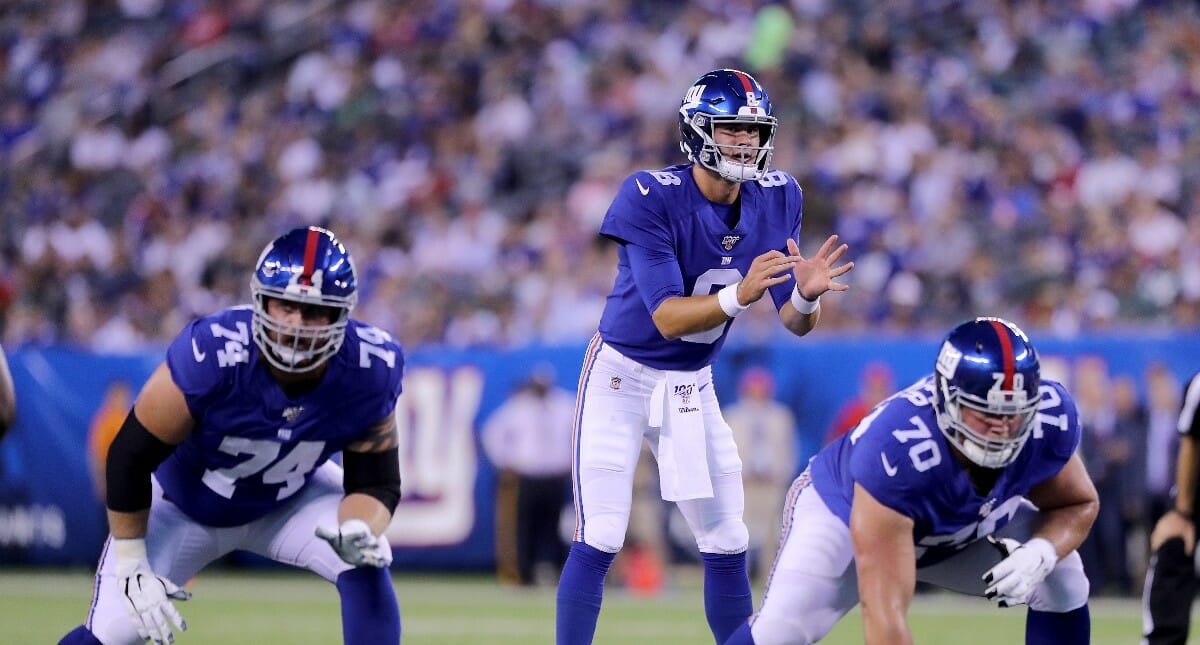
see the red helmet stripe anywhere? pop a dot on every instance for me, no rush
(1006, 349)
(746, 84)
(310, 256)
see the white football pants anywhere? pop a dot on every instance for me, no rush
(178, 548)
(814, 583)
(612, 420)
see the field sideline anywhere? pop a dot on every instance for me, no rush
(235, 608)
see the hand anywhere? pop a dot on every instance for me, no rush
(765, 271)
(814, 276)
(1172, 525)
(356, 544)
(147, 596)
(1024, 567)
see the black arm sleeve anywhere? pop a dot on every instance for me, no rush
(132, 457)
(373, 473)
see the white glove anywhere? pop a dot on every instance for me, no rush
(356, 544)
(1025, 566)
(147, 595)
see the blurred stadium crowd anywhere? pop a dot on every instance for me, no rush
(1037, 160)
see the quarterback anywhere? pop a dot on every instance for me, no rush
(698, 243)
(228, 445)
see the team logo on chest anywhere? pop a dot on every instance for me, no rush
(986, 509)
(728, 241)
(290, 413)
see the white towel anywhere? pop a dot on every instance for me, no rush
(682, 448)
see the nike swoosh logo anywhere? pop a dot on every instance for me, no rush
(890, 469)
(642, 189)
(197, 353)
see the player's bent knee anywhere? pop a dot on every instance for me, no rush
(728, 536)
(790, 629)
(1065, 589)
(605, 533)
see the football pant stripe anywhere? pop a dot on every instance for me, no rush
(589, 363)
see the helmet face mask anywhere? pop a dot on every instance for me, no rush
(727, 97)
(987, 365)
(304, 268)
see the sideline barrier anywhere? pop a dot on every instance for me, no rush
(70, 400)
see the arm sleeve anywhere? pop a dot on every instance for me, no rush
(656, 274)
(793, 205)
(193, 358)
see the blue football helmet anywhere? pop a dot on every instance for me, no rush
(311, 267)
(987, 364)
(727, 96)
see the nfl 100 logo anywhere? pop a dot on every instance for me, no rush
(684, 393)
(728, 241)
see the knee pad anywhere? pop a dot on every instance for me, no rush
(726, 536)
(790, 628)
(605, 532)
(1065, 589)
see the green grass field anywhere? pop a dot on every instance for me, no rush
(236, 608)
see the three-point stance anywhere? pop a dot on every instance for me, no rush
(227, 447)
(699, 243)
(936, 484)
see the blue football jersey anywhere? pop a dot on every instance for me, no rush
(664, 211)
(901, 457)
(253, 446)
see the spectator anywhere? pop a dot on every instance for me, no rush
(875, 383)
(765, 432)
(528, 438)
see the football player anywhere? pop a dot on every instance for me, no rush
(968, 479)
(228, 445)
(698, 243)
(1171, 580)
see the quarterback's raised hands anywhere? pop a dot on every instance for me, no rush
(815, 275)
(147, 595)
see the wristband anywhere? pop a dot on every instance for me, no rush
(129, 549)
(802, 304)
(1180, 513)
(728, 299)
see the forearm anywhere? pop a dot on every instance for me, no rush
(796, 322)
(682, 315)
(1067, 527)
(366, 508)
(885, 627)
(1185, 477)
(128, 525)
(885, 606)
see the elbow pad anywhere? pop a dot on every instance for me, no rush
(132, 457)
(373, 473)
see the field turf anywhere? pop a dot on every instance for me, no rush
(255, 608)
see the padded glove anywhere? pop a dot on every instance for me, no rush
(356, 544)
(1025, 566)
(147, 595)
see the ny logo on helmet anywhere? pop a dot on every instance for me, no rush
(692, 98)
(302, 284)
